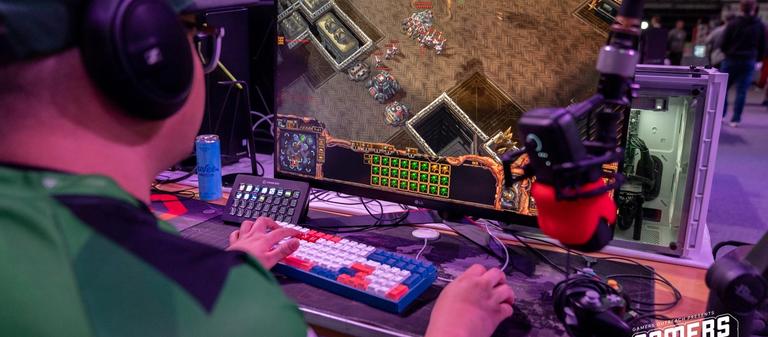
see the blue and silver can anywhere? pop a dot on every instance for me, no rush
(208, 151)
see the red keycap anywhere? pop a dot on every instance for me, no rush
(362, 284)
(297, 263)
(335, 239)
(363, 268)
(397, 292)
(312, 238)
(345, 279)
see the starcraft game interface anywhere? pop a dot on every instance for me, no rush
(422, 97)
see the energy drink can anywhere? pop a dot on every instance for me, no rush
(208, 151)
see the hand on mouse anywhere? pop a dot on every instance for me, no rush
(472, 305)
(258, 238)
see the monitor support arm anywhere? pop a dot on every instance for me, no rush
(738, 286)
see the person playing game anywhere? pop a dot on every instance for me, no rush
(87, 120)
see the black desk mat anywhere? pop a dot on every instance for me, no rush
(534, 315)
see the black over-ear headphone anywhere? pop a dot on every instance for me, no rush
(138, 54)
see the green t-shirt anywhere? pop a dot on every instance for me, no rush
(81, 257)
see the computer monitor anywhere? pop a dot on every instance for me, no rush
(414, 101)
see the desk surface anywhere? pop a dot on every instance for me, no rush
(689, 280)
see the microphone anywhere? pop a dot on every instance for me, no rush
(573, 201)
(583, 224)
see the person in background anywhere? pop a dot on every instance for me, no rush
(653, 43)
(714, 42)
(700, 32)
(656, 22)
(743, 44)
(676, 43)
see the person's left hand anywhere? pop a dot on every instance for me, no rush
(260, 238)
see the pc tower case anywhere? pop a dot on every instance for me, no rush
(672, 134)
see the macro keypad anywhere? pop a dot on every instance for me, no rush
(254, 197)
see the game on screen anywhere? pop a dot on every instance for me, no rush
(422, 97)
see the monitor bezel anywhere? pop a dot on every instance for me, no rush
(445, 208)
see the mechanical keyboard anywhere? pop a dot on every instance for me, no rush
(360, 272)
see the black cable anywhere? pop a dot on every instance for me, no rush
(657, 277)
(720, 245)
(184, 194)
(319, 195)
(177, 179)
(259, 166)
(540, 255)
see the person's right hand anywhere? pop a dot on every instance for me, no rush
(472, 305)
(260, 239)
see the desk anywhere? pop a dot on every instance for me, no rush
(689, 280)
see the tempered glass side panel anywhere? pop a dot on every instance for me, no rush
(653, 202)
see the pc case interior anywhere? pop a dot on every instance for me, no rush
(671, 140)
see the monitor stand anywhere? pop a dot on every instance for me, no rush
(459, 223)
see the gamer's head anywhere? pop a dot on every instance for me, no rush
(78, 97)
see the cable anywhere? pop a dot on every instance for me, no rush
(656, 276)
(720, 245)
(426, 241)
(506, 250)
(177, 179)
(188, 193)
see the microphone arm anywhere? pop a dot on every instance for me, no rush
(559, 158)
(738, 286)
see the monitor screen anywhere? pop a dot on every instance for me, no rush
(415, 101)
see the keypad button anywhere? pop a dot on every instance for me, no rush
(282, 210)
(269, 200)
(296, 194)
(285, 202)
(255, 215)
(277, 201)
(272, 191)
(294, 202)
(239, 195)
(246, 196)
(250, 205)
(279, 218)
(248, 188)
(240, 212)
(232, 211)
(258, 206)
(242, 187)
(247, 213)
(288, 193)
(291, 211)
(274, 208)
(264, 190)
(279, 192)
(262, 198)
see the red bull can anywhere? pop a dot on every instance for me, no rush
(208, 152)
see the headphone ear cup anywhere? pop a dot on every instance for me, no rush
(137, 52)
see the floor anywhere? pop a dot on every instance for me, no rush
(738, 208)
